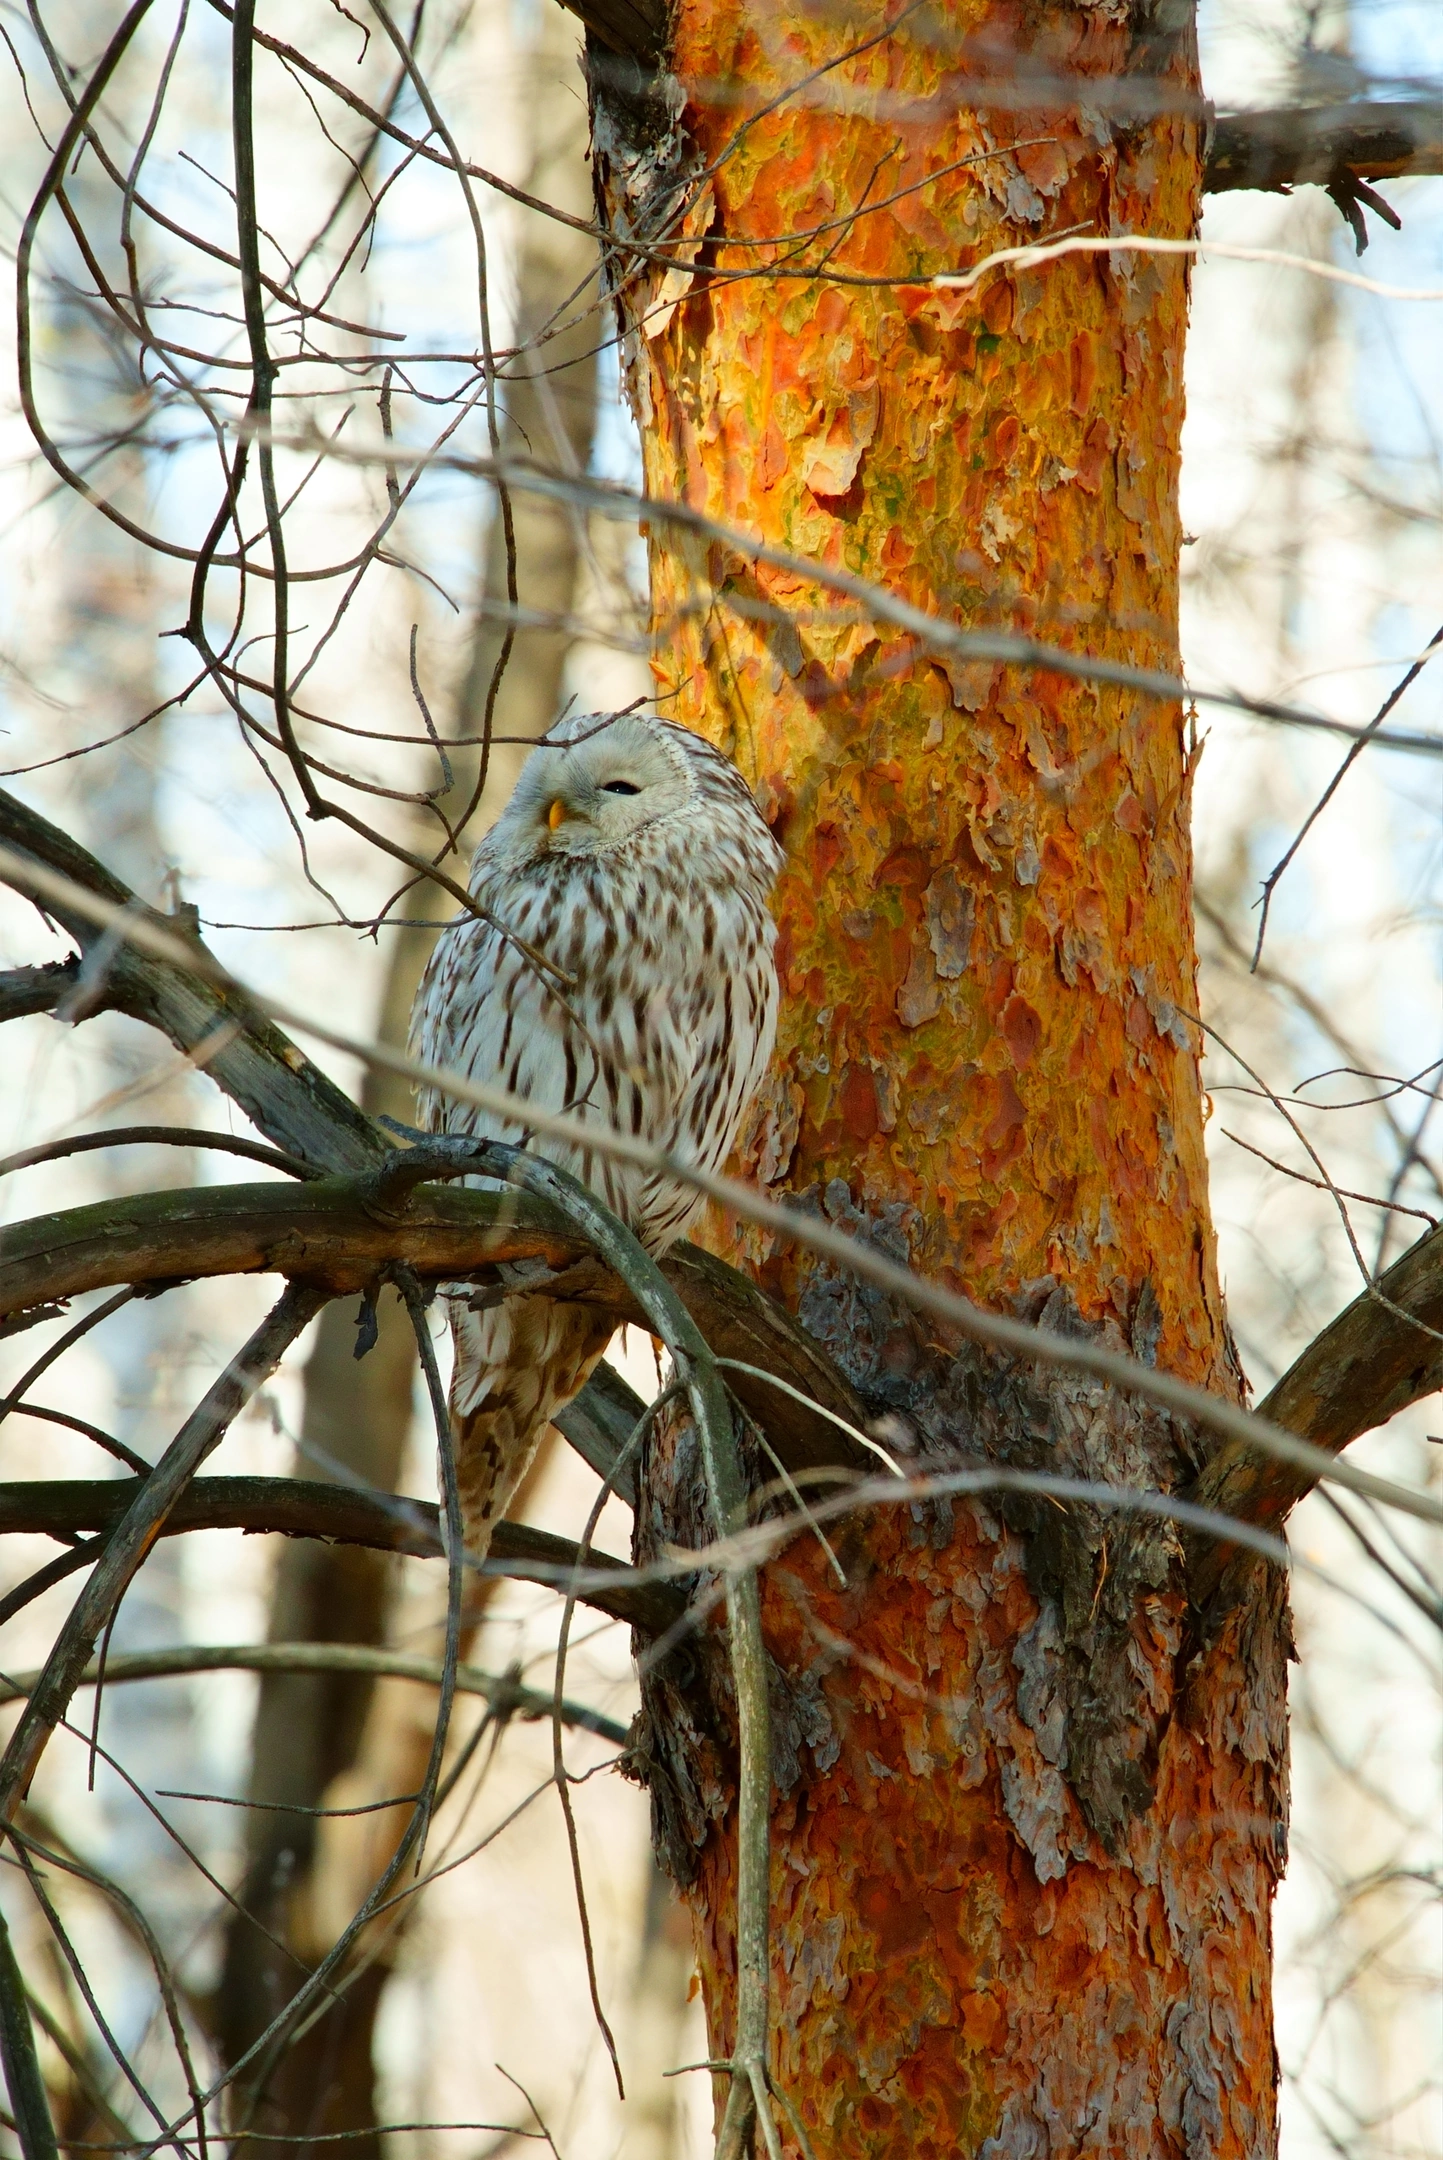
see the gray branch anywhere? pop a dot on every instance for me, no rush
(1366, 1365)
(302, 1507)
(288, 1098)
(1288, 146)
(506, 1696)
(26, 990)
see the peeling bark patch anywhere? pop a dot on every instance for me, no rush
(951, 916)
(920, 997)
(833, 452)
(1021, 1031)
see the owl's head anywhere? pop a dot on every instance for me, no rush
(597, 782)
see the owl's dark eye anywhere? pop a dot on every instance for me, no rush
(619, 787)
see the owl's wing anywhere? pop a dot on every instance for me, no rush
(733, 1033)
(486, 1010)
(664, 1037)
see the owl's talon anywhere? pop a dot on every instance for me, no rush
(434, 1155)
(515, 1277)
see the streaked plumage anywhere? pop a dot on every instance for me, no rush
(632, 856)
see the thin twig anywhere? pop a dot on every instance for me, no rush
(410, 1290)
(57, 1349)
(1301, 1177)
(932, 632)
(559, 1773)
(853, 1432)
(179, 1136)
(23, 2080)
(82, 1981)
(711, 1412)
(1274, 876)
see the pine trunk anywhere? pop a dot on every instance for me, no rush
(1026, 1827)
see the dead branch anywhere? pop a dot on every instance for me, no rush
(1274, 149)
(26, 990)
(506, 1696)
(1286, 146)
(328, 1233)
(287, 1097)
(598, 1425)
(334, 1235)
(181, 1136)
(303, 1507)
(1365, 1366)
(636, 29)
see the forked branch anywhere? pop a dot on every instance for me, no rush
(287, 1097)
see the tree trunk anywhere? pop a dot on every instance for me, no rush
(1026, 1829)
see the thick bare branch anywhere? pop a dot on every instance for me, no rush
(287, 1097)
(1274, 148)
(333, 1233)
(302, 1507)
(1365, 1366)
(741, 1323)
(1283, 146)
(599, 1424)
(327, 1233)
(26, 990)
(636, 29)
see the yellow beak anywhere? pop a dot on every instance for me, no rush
(556, 814)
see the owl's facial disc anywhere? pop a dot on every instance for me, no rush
(591, 796)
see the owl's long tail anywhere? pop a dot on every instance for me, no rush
(516, 1366)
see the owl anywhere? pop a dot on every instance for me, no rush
(632, 856)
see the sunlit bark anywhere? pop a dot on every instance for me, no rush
(1026, 1832)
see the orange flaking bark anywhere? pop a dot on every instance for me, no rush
(987, 961)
